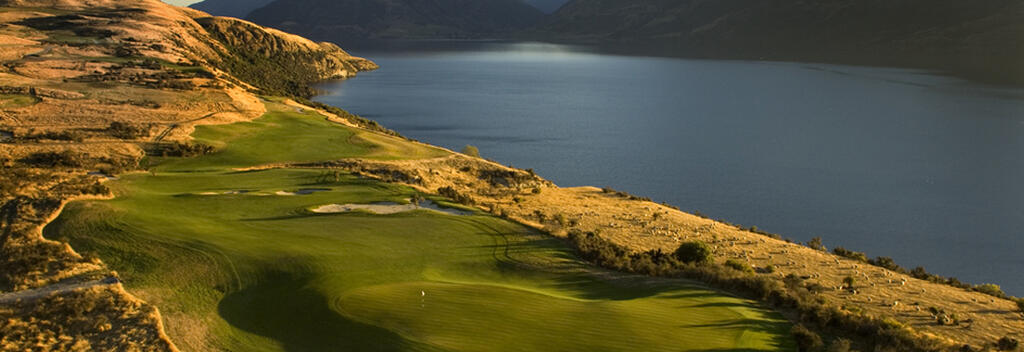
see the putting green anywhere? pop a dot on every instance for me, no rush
(234, 266)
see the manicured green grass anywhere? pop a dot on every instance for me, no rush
(287, 135)
(259, 272)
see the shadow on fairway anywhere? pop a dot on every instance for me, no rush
(282, 306)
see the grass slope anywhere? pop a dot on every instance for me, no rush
(257, 271)
(286, 134)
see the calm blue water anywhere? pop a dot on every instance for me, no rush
(923, 168)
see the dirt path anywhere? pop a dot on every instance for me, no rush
(174, 125)
(58, 288)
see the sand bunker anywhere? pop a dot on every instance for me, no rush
(388, 208)
(301, 191)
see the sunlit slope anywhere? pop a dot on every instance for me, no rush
(235, 265)
(290, 134)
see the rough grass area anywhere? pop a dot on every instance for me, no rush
(232, 266)
(14, 101)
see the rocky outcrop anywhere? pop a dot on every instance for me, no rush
(275, 61)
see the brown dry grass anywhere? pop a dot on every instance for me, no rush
(56, 66)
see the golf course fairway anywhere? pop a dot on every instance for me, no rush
(235, 260)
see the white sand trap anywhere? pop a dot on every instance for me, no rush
(387, 208)
(301, 191)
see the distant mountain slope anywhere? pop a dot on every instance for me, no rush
(939, 32)
(229, 8)
(348, 19)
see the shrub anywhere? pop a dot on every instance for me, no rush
(839, 345)
(739, 265)
(806, 340)
(843, 252)
(887, 263)
(849, 281)
(471, 151)
(452, 194)
(694, 252)
(125, 130)
(1007, 344)
(65, 158)
(1020, 304)
(561, 219)
(990, 289)
(185, 149)
(815, 243)
(920, 273)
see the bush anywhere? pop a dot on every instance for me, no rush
(815, 243)
(806, 340)
(843, 252)
(1020, 304)
(471, 151)
(839, 345)
(452, 194)
(888, 263)
(1007, 344)
(990, 289)
(849, 281)
(694, 252)
(739, 265)
(65, 158)
(185, 149)
(124, 130)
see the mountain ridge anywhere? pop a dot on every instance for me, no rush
(401, 19)
(977, 38)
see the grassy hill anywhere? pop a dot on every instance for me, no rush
(235, 265)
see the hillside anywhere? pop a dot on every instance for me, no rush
(407, 19)
(229, 8)
(979, 37)
(155, 157)
(97, 86)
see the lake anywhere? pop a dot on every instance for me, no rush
(923, 168)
